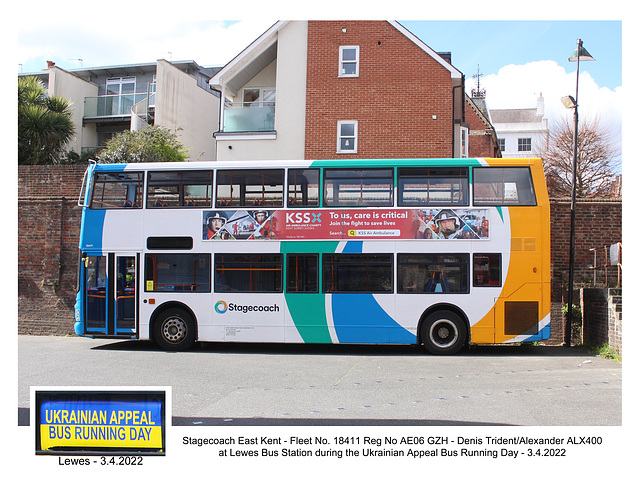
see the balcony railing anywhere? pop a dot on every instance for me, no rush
(244, 117)
(111, 105)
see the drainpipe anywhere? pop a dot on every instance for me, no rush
(453, 125)
(219, 115)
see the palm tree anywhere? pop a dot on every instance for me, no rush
(44, 123)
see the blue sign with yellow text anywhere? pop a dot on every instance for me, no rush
(114, 422)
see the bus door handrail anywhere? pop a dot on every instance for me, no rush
(85, 184)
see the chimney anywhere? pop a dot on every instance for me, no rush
(50, 64)
(540, 107)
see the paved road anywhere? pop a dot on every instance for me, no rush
(262, 384)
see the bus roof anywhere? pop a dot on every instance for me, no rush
(340, 163)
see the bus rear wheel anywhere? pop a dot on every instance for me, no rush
(174, 330)
(444, 332)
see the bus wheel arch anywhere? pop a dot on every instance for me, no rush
(443, 329)
(173, 326)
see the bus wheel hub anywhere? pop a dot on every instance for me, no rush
(174, 330)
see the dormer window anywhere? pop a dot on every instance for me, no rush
(349, 61)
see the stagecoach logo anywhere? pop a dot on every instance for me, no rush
(222, 307)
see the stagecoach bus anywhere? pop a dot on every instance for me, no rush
(443, 253)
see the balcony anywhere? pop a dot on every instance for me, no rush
(113, 105)
(256, 116)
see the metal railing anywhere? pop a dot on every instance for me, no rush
(111, 105)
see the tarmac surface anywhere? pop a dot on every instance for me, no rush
(276, 384)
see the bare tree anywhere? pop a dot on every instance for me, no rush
(598, 159)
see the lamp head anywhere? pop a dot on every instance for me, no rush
(568, 101)
(582, 53)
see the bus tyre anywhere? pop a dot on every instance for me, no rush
(174, 330)
(444, 332)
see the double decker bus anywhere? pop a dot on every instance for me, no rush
(438, 252)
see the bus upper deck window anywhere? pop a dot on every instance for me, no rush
(358, 187)
(264, 188)
(304, 188)
(179, 189)
(117, 190)
(433, 186)
(503, 186)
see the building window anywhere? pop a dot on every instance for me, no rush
(255, 97)
(524, 144)
(348, 136)
(349, 61)
(464, 144)
(501, 144)
(120, 96)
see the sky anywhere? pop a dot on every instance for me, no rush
(519, 60)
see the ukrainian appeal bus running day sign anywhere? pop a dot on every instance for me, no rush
(105, 422)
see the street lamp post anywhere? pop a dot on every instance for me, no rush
(579, 54)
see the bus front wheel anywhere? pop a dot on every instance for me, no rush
(174, 330)
(444, 332)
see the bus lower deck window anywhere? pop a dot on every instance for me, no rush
(177, 272)
(433, 273)
(302, 273)
(487, 269)
(248, 273)
(357, 273)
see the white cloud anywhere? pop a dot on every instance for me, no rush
(209, 43)
(518, 86)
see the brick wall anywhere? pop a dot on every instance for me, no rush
(614, 337)
(398, 90)
(598, 225)
(481, 144)
(602, 317)
(595, 307)
(49, 220)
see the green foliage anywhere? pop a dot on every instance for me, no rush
(608, 352)
(150, 144)
(575, 321)
(576, 313)
(44, 124)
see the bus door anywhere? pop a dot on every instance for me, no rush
(111, 297)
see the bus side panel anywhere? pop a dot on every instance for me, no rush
(482, 310)
(367, 318)
(523, 311)
(364, 318)
(306, 316)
